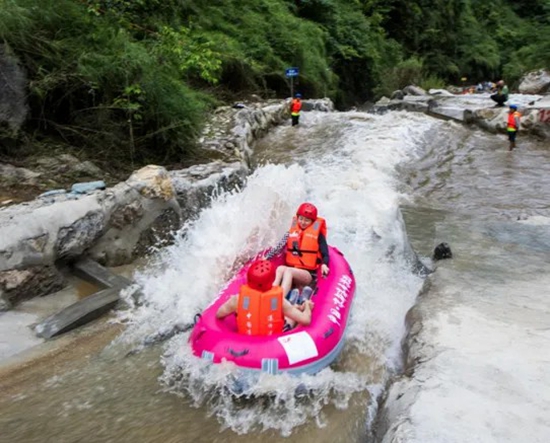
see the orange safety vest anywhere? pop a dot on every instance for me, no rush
(512, 126)
(295, 106)
(302, 246)
(260, 313)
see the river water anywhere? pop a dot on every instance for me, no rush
(383, 182)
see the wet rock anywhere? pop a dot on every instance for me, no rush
(125, 215)
(320, 105)
(414, 90)
(535, 82)
(156, 234)
(442, 251)
(17, 285)
(194, 186)
(107, 224)
(446, 112)
(137, 217)
(534, 119)
(440, 92)
(397, 95)
(384, 101)
(73, 240)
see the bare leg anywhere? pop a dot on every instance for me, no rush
(279, 276)
(298, 277)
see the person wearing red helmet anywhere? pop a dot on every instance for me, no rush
(260, 306)
(306, 250)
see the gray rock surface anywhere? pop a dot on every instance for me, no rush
(535, 82)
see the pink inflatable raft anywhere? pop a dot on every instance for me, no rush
(304, 349)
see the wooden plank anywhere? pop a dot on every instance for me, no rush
(92, 271)
(89, 308)
(79, 313)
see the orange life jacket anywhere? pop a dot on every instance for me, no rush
(296, 106)
(260, 313)
(302, 246)
(512, 126)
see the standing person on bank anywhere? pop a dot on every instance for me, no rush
(295, 108)
(501, 95)
(513, 125)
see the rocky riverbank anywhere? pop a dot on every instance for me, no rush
(478, 109)
(118, 224)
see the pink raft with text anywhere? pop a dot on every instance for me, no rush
(304, 349)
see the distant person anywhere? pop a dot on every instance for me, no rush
(295, 108)
(501, 94)
(261, 308)
(513, 125)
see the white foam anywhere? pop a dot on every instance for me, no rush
(347, 169)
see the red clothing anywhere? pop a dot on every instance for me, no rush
(296, 106)
(260, 313)
(302, 248)
(513, 121)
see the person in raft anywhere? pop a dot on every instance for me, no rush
(260, 306)
(306, 250)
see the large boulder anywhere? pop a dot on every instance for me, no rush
(535, 82)
(320, 105)
(145, 211)
(107, 224)
(194, 186)
(535, 118)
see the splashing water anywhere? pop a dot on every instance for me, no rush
(352, 181)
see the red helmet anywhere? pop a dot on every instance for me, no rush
(307, 210)
(261, 275)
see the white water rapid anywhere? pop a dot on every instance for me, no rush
(478, 356)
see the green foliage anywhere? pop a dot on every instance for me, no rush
(189, 53)
(134, 79)
(432, 82)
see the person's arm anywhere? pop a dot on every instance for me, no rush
(277, 248)
(517, 122)
(293, 313)
(228, 307)
(323, 248)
